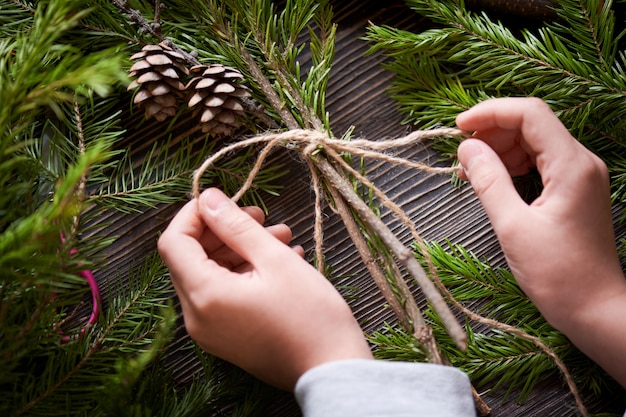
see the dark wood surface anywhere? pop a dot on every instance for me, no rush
(356, 97)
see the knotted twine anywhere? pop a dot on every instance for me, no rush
(309, 142)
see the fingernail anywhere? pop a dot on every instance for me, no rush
(215, 201)
(471, 153)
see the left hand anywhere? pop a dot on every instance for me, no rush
(252, 300)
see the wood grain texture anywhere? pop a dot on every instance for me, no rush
(356, 97)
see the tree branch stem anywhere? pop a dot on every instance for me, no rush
(402, 253)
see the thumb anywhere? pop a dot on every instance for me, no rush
(490, 179)
(237, 229)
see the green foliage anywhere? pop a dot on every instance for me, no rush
(138, 383)
(165, 176)
(575, 64)
(228, 31)
(38, 76)
(62, 166)
(36, 69)
(51, 372)
(494, 358)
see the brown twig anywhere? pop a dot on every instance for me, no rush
(23, 6)
(410, 312)
(481, 406)
(154, 28)
(400, 251)
(268, 90)
(403, 254)
(157, 16)
(311, 121)
(82, 185)
(369, 261)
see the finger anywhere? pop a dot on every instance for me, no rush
(247, 267)
(239, 231)
(491, 181)
(211, 243)
(527, 121)
(230, 259)
(299, 250)
(180, 249)
(516, 161)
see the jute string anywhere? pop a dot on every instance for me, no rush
(311, 142)
(308, 142)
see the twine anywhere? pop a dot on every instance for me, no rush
(310, 142)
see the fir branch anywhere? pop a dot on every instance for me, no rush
(518, 332)
(53, 152)
(105, 27)
(23, 6)
(164, 177)
(572, 63)
(265, 45)
(132, 322)
(14, 17)
(81, 188)
(468, 279)
(29, 82)
(154, 28)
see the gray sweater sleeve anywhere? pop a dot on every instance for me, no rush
(368, 388)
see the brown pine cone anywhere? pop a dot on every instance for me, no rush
(216, 90)
(157, 71)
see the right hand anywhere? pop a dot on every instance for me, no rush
(561, 247)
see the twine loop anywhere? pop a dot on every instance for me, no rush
(309, 142)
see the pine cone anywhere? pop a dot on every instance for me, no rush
(217, 87)
(157, 73)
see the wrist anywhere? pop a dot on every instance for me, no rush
(355, 348)
(599, 331)
(592, 309)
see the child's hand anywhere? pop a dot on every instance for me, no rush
(249, 298)
(561, 248)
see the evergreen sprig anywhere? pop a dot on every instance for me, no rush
(259, 35)
(165, 176)
(30, 82)
(494, 358)
(63, 165)
(55, 132)
(52, 374)
(38, 280)
(574, 63)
